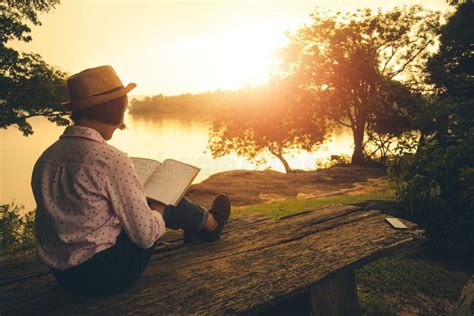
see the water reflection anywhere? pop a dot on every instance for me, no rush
(151, 136)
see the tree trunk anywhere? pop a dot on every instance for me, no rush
(358, 157)
(284, 162)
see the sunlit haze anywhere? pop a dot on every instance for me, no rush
(174, 47)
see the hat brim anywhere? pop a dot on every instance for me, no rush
(76, 105)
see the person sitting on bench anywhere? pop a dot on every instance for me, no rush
(95, 228)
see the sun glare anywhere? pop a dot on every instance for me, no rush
(219, 60)
(244, 57)
(175, 47)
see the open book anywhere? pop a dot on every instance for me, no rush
(165, 182)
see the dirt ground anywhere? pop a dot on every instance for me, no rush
(246, 187)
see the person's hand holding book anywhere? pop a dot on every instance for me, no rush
(155, 205)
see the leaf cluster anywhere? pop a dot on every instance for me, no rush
(28, 86)
(16, 231)
(276, 118)
(435, 182)
(364, 66)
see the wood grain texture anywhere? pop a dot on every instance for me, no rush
(465, 304)
(335, 296)
(257, 263)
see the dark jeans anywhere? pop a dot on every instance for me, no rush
(119, 267)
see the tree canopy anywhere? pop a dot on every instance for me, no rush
(451, 70)
(276, 118)
(435, 183)
(28, 85)
(362, 66)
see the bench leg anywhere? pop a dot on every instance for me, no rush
(335, 296)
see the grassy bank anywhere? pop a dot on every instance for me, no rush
(277, 209)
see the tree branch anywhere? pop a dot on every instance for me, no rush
(402, 68)
(42, 114)
(342, 123)
(388, 60)
(351, 118)
(17, 119)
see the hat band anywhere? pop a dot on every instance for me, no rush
(102, 93)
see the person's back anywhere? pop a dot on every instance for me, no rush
(95, 227)
(69, 184)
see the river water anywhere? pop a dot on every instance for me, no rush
(152, 136)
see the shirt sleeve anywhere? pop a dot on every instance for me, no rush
(128, 200)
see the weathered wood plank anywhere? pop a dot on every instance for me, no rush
(335, 296)
(18, 272)
(172, 241)
(11, 273)
(258, 236)
(251, 268)
(465, 304)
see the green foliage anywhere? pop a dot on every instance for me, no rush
(435, 185)
(436, 182)
(28, 86)
(380, 148)
(17, 13)
(452, 68)
(353, 64)
(16, 231)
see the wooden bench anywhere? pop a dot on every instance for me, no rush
(258, 263)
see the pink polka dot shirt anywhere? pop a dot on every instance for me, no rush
(86, 192)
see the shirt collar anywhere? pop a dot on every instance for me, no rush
(84, 132)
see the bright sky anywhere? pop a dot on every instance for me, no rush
(175, 46)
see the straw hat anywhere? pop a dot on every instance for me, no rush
(93, 86)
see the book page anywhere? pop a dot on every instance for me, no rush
(169, 183)
(145, 168)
